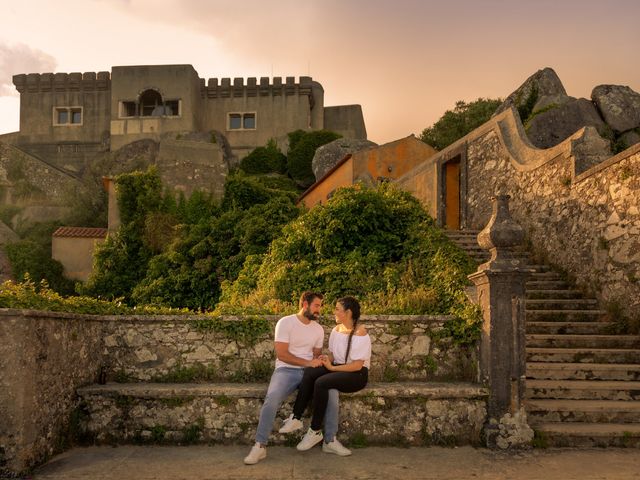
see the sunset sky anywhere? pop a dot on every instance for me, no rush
(404, 61)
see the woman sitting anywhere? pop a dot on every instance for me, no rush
(346, 369)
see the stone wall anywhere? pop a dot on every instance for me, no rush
(588, 223)
(579, 208)
(398, 414)
(44, 357)
(170, 348)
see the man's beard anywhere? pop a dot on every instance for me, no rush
(311, 316)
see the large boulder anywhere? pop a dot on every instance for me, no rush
(327, 156)
(556, 122)
(538, 91)
(619, 106)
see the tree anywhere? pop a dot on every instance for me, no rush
(302, 147)
(456, 123)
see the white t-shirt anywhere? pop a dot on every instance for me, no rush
(302, 338)
(360, 347)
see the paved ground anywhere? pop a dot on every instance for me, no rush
(218, 462)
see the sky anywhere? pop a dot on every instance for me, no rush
(405, 61)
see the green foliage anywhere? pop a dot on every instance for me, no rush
(525, 108)
(29, 295)
(243, 191)
(465, 328)
(191, 434)
(266, 159)
(377, 244)
(302, 147)
(31, 258)
(532, 115)
(456, 123)
(190, 272)
(7, 212)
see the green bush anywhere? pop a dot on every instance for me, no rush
(267, 159)
(190, 272)
(377, 244)
(456, 123)
(302, 147)
(29, 295)
(242, 191)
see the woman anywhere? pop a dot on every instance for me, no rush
(346, 369)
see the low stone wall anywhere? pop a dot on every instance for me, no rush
(44, 357)
(397, 413)
(200, 348)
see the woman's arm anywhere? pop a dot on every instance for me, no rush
(348, 367)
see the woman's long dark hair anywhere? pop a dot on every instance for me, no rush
(350, 303)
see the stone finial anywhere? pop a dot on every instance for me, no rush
(501, 235)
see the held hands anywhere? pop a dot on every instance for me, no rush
(327, 364)
(316, 362)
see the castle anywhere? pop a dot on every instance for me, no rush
(66, 118)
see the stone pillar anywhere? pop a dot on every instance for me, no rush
(500, 288)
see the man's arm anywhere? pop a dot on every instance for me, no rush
(283, 354)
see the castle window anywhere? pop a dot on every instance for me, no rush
(128, 109)
(242, 121)
(172, 108)
(149, 101)
(65, 116)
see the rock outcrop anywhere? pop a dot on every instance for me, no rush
(551, 125)
(539, 90)
(327, 156)
(619, 106)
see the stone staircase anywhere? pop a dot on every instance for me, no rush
(583, 384)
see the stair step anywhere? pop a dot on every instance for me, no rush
(583, 341)
(583, 389)
(588, 435)
(583, 371)
(564, 315)
(534, 294)
(542, 285)
(583, 355)
(575, 328)
(562, 304)
(596, 411)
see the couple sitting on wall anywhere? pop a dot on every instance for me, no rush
(301, 365)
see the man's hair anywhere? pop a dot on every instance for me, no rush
(309, 297)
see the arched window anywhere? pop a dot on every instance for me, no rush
(150, 100)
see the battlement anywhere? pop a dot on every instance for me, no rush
(225, 88)
(62, 82)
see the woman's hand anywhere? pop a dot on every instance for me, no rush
(327, 364)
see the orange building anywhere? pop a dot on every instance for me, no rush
(370, 166)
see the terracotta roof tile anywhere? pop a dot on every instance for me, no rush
(85, 232)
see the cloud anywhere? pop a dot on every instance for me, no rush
(20, 58)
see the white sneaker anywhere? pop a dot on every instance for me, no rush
(310, 439)
(256, 454)
(290, 425)
(336, 447)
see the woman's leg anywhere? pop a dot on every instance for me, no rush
(306, 388)
(346, 382)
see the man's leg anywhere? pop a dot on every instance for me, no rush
(283, 382)
(332, 417)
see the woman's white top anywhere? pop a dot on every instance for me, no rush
(360, 347)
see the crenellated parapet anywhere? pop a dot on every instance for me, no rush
(228, 88)
(62, 82)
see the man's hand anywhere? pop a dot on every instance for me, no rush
(316, 362)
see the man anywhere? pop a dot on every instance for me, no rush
(298, 344)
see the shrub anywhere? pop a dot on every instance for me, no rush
(266, 159)
(242, 191)
(378, 244)
(302, 147)
(456, 123)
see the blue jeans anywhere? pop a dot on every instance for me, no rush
(284, 382)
